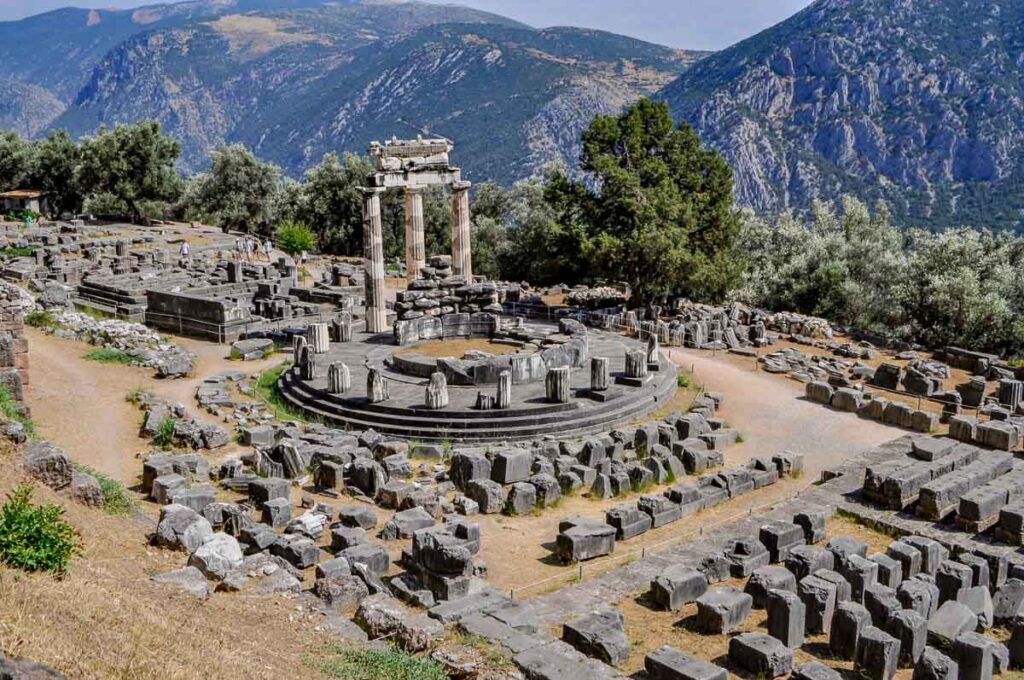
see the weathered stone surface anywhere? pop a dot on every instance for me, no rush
(786, 617)
(766, 579)
(813, 524)
(819, 597)
(911, 629)
(848, 622)
(978, 657)
(668, 663)
(949, 622)
(890, 572)
(343, 591)
(585, 541)
(218, 555)
(383, 616)
(979, 601)
(601, 635)
(49, 464)
(189, 579)
(181, 528)
(804, 560)
(919, 595)
(722, 609)
(881, 602)
(678, 585)
(781, 537)
(760, 654)
(815, 670)
(877, 654)
(934, 665)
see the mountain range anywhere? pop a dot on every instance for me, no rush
(917, 103)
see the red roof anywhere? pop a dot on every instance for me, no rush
(23, 193)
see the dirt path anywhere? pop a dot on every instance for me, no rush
(770, 414)
(80, 405)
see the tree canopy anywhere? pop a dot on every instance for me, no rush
(238, 191)
(655, 207)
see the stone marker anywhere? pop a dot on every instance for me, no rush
(950, 621)
(881, 602)
(766, 579)
(805, 560)
(819, 597)
(437, 392)
(934, 665)
(977, 656)
(890, 571)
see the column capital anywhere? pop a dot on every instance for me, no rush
(461, 185)
(370, 191)
(415, 190)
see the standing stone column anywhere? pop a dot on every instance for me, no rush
(437, 391)
(636, 364)
(376, 386)
(557, 383)
(415, 241)
(373, 247)
(462, 260)
(339, 379)
(652, 350)
(504, 398)
(319, 339)
(298, 344)
(307, 369)
(599, 374)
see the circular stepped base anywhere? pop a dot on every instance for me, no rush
(529, 417)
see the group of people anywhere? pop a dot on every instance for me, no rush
(251, 249)
(248, 248)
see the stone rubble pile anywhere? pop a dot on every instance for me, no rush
(145, 347)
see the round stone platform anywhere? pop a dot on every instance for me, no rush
(530, 415)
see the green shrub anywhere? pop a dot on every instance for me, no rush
(683, 380)
(294, 237)
(11, 251)
(109, 355)
(40, 319)
(164, 436)
(377, 664)
(12, 410)
(114, 497)
(35, 537)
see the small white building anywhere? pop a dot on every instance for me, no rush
(24, 199)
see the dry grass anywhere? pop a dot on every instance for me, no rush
(250, 37)
(438, 349)
(107, 619)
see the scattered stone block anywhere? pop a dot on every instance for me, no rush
(601, 635)
(842, 547)
(921, 596)
(722, 609)
(977, 656)
(217, 556)
(1008, 601)
(951, 577)
(760, 654)
(813, 524)
(979, 601)
(511, 465)
(843, 590)
(356, 515)
(746, 555)
(766, 579)
(786, 617)
(815, 670)
(877, 654)
(819, 597)
(932, 552)
(585, 541)
(805, 560)
(628, 521)
(950, 621)
(908, 556)
(678, 585)
(890, 571)
(848, 622)
(934, 665)
(375, 557)
(521, 499)
(911, 629)
(881, 602)
(343, 591)
(779, 538)
(668, 663)
(860, 573)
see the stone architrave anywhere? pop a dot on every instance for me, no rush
(373, 244)
(599, 374)
(298, 344)
(462, 261)
(504, 397)
(415, 244)
(339, 379)
(319, 338)
(557, 383)
(376, 386)
(636, 364)
(437, 391)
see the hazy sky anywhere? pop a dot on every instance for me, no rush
(695, 24)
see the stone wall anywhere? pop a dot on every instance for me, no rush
(14, 304)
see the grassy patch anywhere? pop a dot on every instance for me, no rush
(12, 410)
(11, 251)
(683, 380)
(374, 664)
(137, 395)
(40, 319)
(266, 389)
(116, 500)
(109, 355)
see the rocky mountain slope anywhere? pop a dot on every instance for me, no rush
(294, 79)
(920, 102)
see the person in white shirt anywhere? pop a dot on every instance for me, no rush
(183, 250)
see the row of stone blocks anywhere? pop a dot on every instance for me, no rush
(582, 539)
(1004, 435)
(883, 410)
